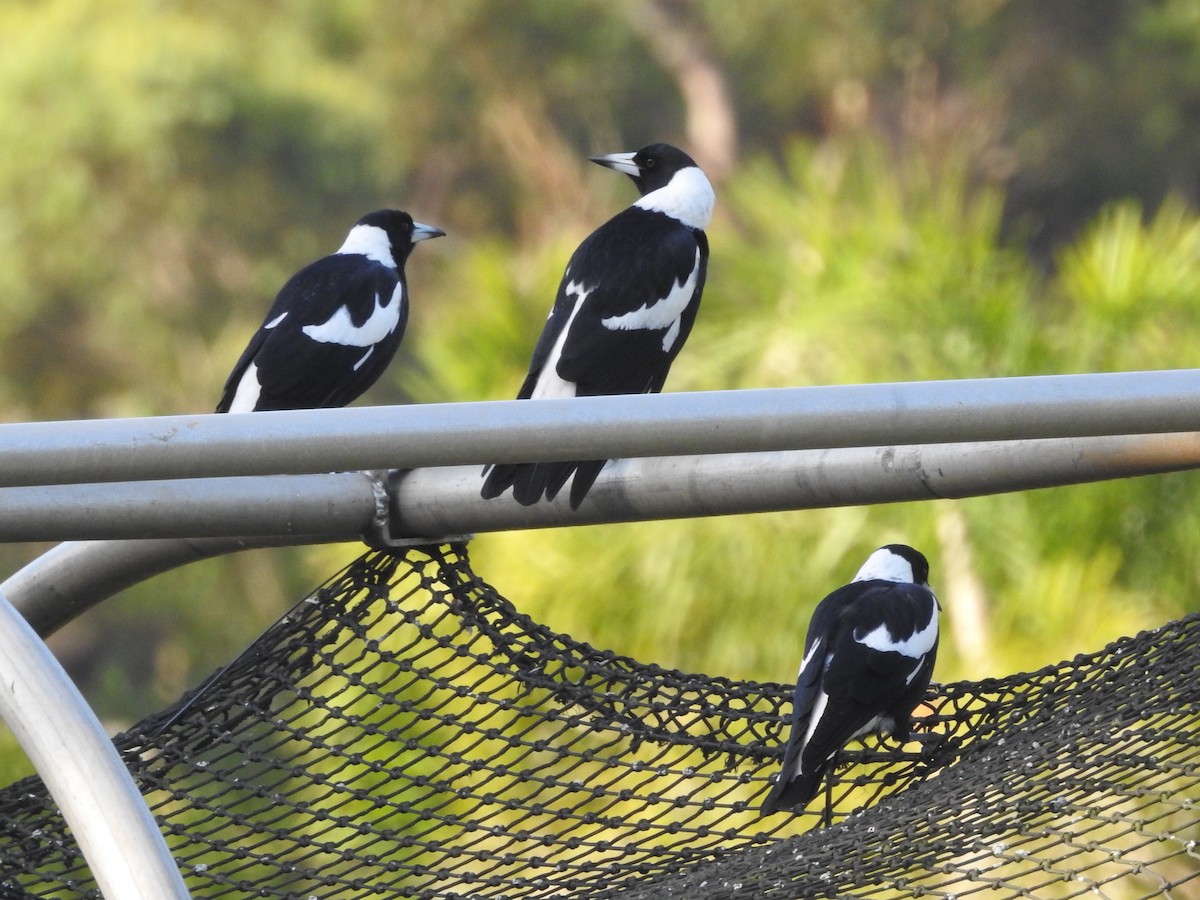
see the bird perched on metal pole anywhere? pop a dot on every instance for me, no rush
(868, 658)
(334, 326)
(624, 309)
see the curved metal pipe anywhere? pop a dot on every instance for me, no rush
(58, 731)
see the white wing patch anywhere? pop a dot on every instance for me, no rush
(275, 321)
(664, 313)
(913, 673)
(358, 365)
(914, 646)
(248, 391)
(339, 329)
(816, 645)
(814, 719)
(549, 385)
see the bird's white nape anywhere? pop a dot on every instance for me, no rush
(884, 565)
(688, 197)
(371, 242)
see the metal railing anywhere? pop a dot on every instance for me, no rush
(147, 495)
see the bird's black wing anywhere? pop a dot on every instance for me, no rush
(626, 268)
(629, 267)
(297, 372)
(603, 360)
(239, 370)
(885, 679)
(794, 787)
(859, 682)
(863, 682)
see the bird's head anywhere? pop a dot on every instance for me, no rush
(896, 562)
(669, 180)
(651, 168)
(391, 233)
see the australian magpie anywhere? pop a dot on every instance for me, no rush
(868, 659)
(624, 308)
(334, 326)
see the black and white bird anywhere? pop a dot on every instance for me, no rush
(624, 309)
(868, 659)
(334, 326)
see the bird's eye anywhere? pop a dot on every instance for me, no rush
(650, 163)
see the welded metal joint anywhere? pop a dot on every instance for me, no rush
(386, 530)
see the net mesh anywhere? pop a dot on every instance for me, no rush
(405, 732)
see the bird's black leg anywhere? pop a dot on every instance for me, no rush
(827, 810)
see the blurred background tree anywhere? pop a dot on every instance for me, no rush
(908, 189)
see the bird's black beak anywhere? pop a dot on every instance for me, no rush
(425, 232)
(621, 162)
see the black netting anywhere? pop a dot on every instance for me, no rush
(404, 732)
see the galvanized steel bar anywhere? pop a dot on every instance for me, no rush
(435, 502)
(72, 577)
(306, 441)
(440, 501)
(348, 504)
(58, 731)
(430, 504)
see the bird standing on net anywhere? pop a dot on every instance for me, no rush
(334, 326)
(868, 658)
(624, 308)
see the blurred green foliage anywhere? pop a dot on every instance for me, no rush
(923, 189)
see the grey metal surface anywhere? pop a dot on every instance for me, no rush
(305, 441)
(79, 765)
(342, 503)
(438, 502)
(72, 577)
(441, 501)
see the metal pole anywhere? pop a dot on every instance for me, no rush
(354, 439)
(348, 504)
(119, 838)
(441, 501)
(431, 504)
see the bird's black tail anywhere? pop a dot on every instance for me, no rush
(226, 398)
(532, 481)
(529, 481)
(793, 793)
(586, 474)
(498, 479)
